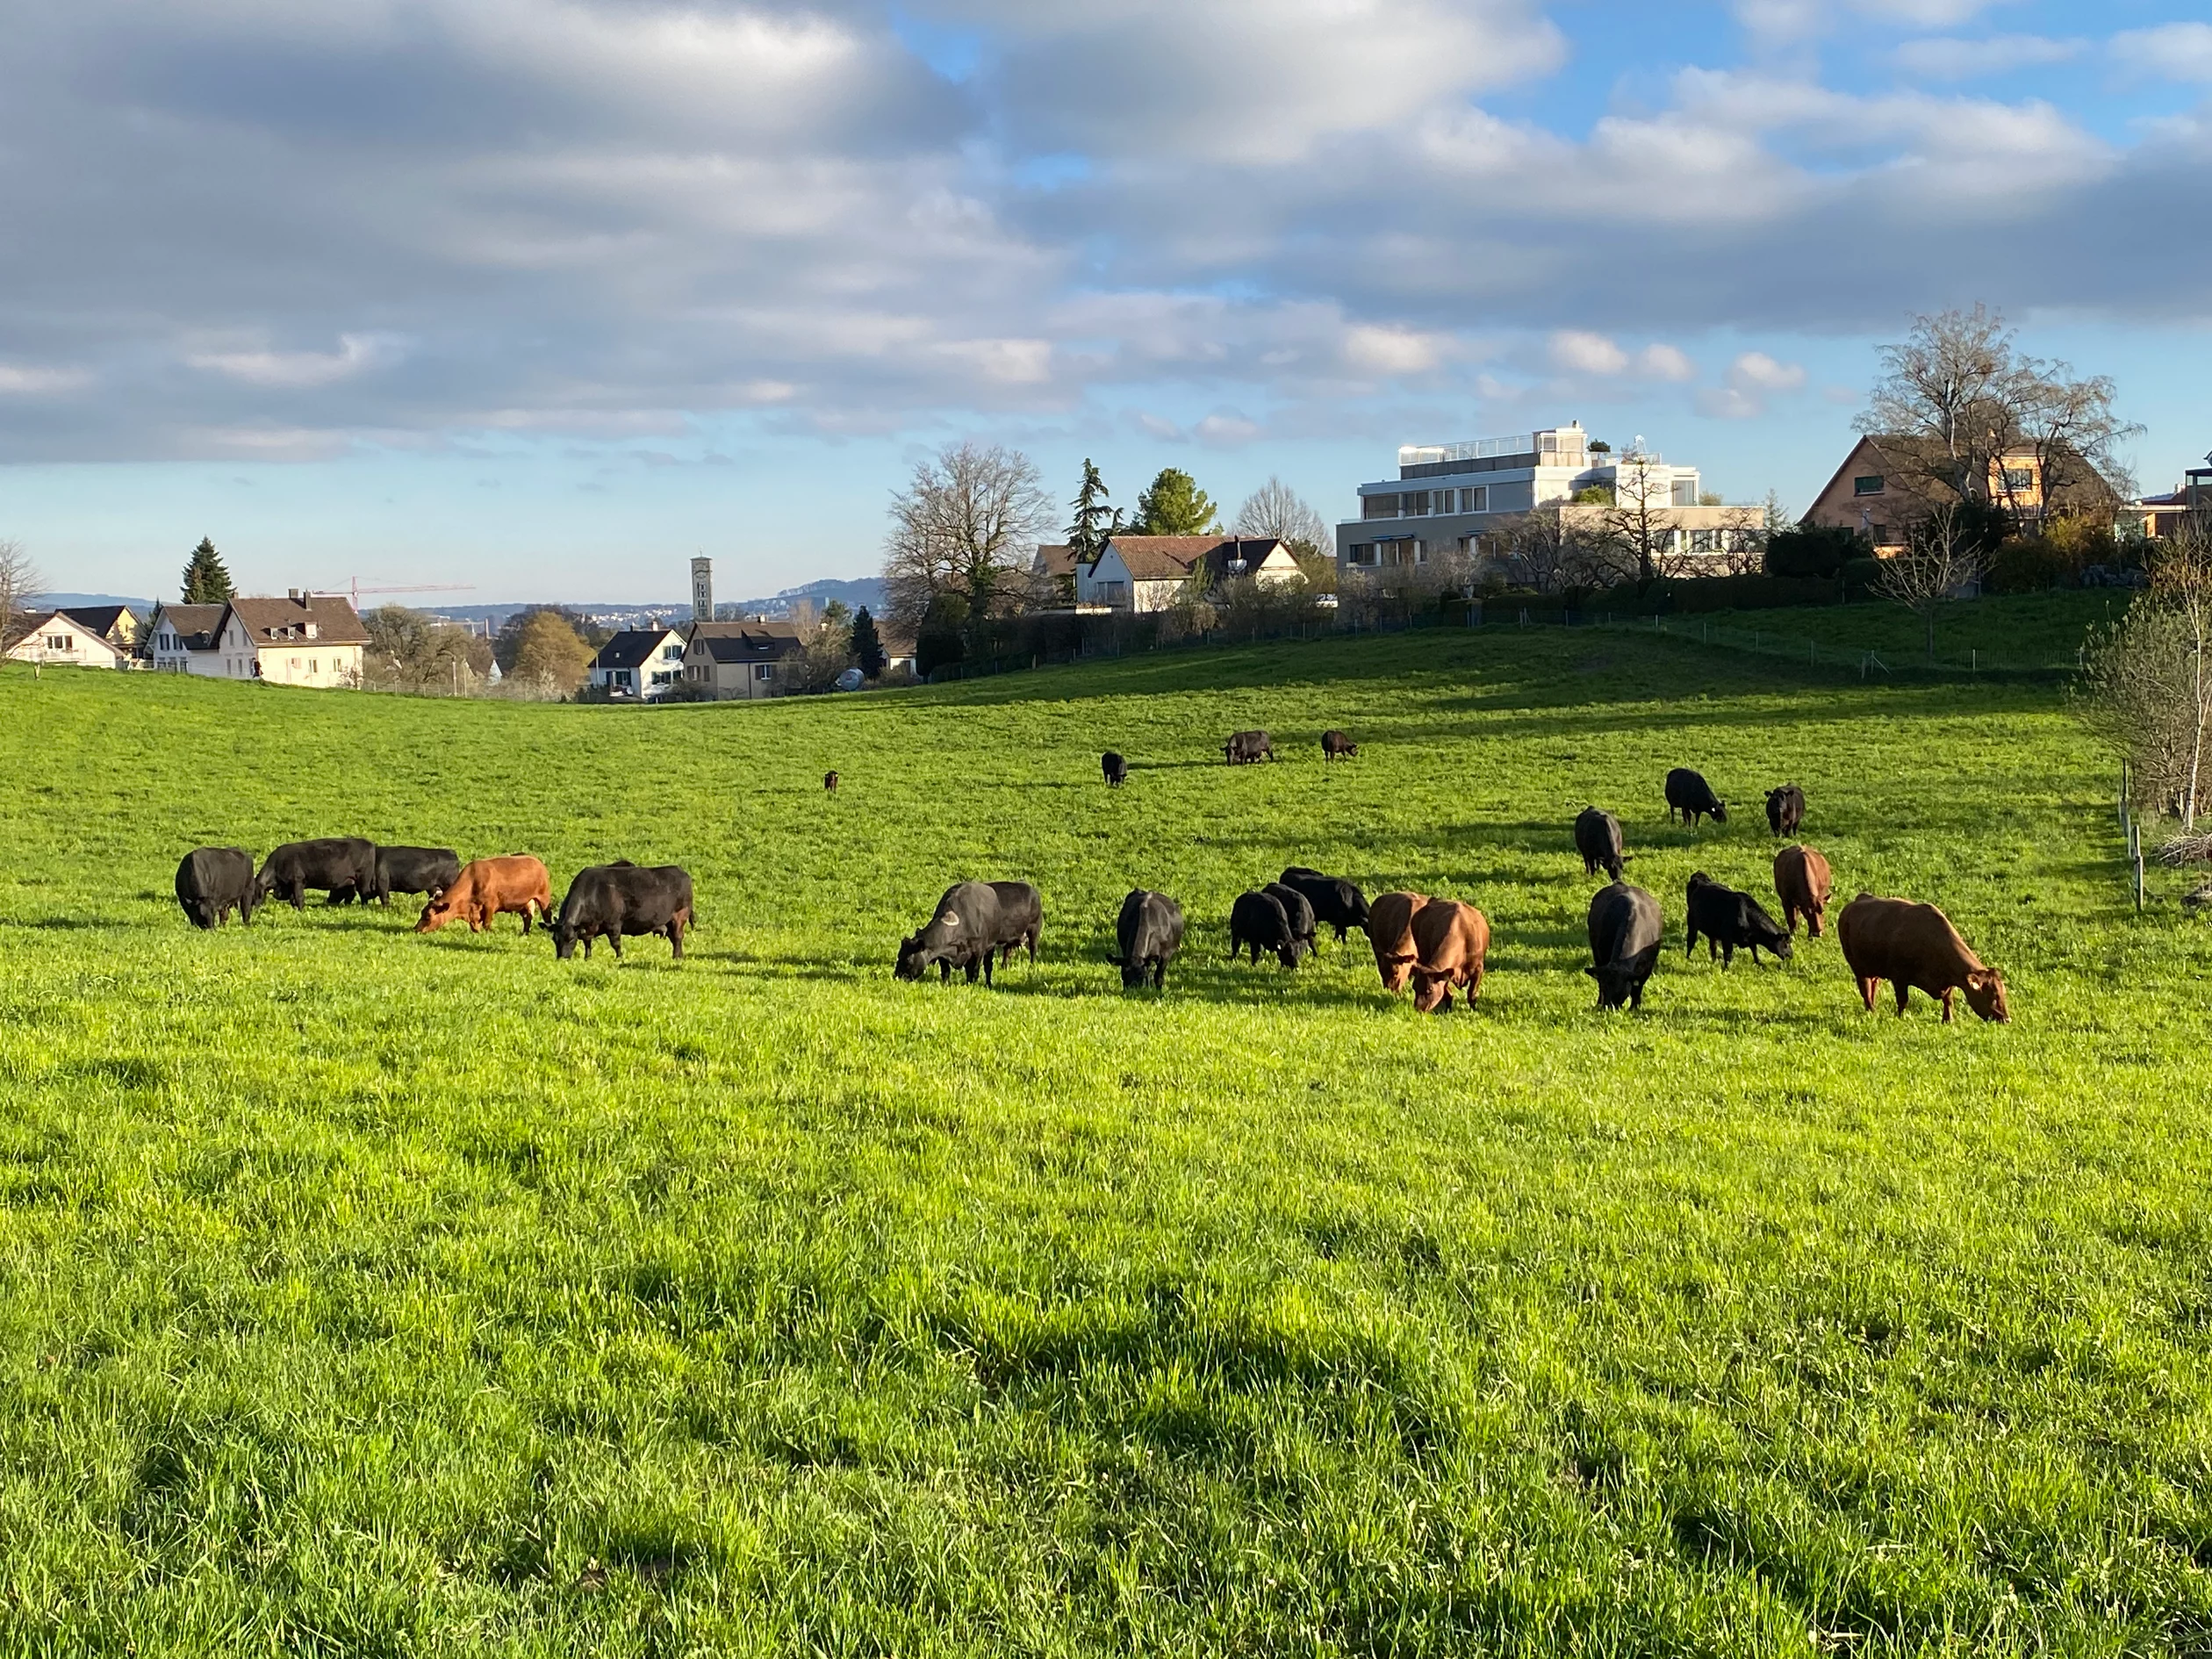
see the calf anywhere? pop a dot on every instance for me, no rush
(1689, 794)
(1244, 747)
(489, 888)
(430, 870)
(1257, 921)
(1785, 809)
(618, 900)
(343, 866)
(1149, 931)
(1115, 767)
(213, 881)
(1337, 904)
(1298, 909)
(830, 783)
(1598, 838)
(1802, 883)
(1450, 940)
(1021, 919)
(1915, 947)
(1390, 930)
(1336, 746)
(1731, 922)
(963, 933)
(1625, 931)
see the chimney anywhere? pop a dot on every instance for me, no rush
(294, 593)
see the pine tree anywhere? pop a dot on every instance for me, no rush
(867, 644)
(1094, 520)
(205, 580)
(1174, 505)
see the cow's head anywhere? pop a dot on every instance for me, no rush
(1720, 810)
(1431, 992)
(1394, 970)
(1133, 973)
(1615, 983)
(1986, 996)
(1289, 953)
(913, 958)
(264, 884)
(565, 934)
(437, 914)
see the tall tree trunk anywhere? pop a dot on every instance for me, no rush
(1928, 616)
(2196, 734)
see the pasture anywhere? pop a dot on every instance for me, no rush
(365, 1293)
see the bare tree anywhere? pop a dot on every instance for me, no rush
(1276, 509)
(19, 579)
(966, 527)
(2134, 692)
(1636, 536)
(1940, 557)
(1540, 550)
(2181, 584)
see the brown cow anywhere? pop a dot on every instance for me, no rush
(1451, 939)
(1802, 883)
(1390, 930)
(829, 782)
(1914, 946)
(490, 888)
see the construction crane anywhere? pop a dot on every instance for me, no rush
(354, 587)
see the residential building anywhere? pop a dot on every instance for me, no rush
(1140, 573)
(2160, 515)
(742, 660)
(303, 639)
(644, 663)
(95, 637)
(180, 639)
(1873, 490)
(1052, 576)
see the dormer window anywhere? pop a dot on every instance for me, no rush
(311, 630)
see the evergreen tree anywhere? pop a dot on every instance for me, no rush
(867, 645)
(1094, 520)
(205, 580)
(1174, 505)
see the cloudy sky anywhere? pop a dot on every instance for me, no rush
(544, 296)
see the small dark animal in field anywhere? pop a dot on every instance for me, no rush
(1021, 919)
(428, 871)
(1689, 794)
(515, 884)
(1785, 809)
(1115, 767)
(1337, 904)
(1390, 930)
(1802, 883)
(1336, 746)
(1730, 921)
(1298, 909)
(343, 866)
(213, 881)
(1244, 747)
(1915, 947)
(1625, 932)
(829, 782)
(618, 900)
(1149, 931)
(1450, 940)
(1256, 921)
(1598, 838)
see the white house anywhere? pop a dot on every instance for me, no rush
(643, 663)
(303, 639)
(180, 638)
(1144, 572)
(93, 638)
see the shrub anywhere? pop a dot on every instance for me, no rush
(1815, 549)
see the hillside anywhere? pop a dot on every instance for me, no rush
(372, 1292)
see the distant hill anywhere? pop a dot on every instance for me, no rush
(58, 601)
(867, 590)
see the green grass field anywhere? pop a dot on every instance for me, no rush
(365, 1293)
(2018, 631)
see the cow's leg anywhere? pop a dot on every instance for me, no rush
(1904, 994)
(1033, 934)
(1689, 944)
(1868, 988)
(944, 971)
(614, 942)
(1947, 1004)
(676, 936)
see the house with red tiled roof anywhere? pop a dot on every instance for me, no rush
(1144, 572)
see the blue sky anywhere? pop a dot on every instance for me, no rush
(545, 296)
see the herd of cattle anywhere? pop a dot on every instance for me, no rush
(1436, 945)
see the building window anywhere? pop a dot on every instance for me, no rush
(57, 641)
(1705, 541)
(1868, 485)
(314, 666)
(1475, 500)
(1685, 492)
(1414, 504)
(2019, 477)
(764, 671)
(1378, 506)
(1360, 553)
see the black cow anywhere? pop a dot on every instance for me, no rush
(1785, 809)
(1625, 932)
(1336, 746)
(1115, 767)
(213, 881)
(428, 871)
(1337, 904)
(1689, 794)
(966, 933)
(1298, 909)
(1598, 838)
(1021, 919)
(1257, 920)
(1731, 922)
(343, 866)
(613, 900)
(1149, 931)
(1244, 747)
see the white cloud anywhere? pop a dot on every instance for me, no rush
(1394, 351)
(25, 381)
(1227, 430)
(1665, 363)
(298, 370)
(1587, 354)
(1728, 403)
(1951, 58)
(1755, 371)
(2175, 51)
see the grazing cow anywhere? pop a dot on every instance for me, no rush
(213, 881)
(1337, 904)
(1149, 932)
(1257, 921)
(1915, 947)
(1689, 794)
(830, 783)
(1390, 930)
(1450, 940)
(963, 933)
(1598, 838)
(428, 871)
(343, 866)
(1625, 932)
(1802, 883)
(1021, 919)
(1244, 747)
(486, 889)
(1731, 922)
(1785, 809)
(1115, 767)
(613, 901)
(1336, 746)
(1298, 909)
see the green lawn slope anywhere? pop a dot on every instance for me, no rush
(371, 1293)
